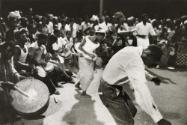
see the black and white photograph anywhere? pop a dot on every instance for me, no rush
(93, 62)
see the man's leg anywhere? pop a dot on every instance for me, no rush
(130, 104)
(116, 105)
(145, 101)
(143, 42)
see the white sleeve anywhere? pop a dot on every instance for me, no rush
(136, 29)
(152, 31)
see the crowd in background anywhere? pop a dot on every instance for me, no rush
(35, 39)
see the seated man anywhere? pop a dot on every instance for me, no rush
(57, 57)
(21, 53)
(38, 58)
(7, 73)
(47, 68)
(126, 67)
(7, 68)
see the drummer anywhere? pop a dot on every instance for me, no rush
(21, 53)
(7, 63)
(7, 73)
(38, 58)
(47, 68)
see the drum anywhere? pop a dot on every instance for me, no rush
(37, 100)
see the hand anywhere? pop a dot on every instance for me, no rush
(19, 77)
(156, 80)
(163, 122)
(99, 62)
(92, 56)
(81, 55)
(22, 77)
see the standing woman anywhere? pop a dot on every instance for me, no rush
(87, 58)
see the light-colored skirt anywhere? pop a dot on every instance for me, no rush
(86, 72)
(143, 42)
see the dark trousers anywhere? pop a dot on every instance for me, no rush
(119, 105)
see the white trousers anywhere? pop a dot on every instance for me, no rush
(143, 98)
(143, 42)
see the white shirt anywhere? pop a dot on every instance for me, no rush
(34, 44)
(85, 25)
(96, 27)
(56, 46)
(50, 27)
(90, 46)
(67, 27)
(146, 30)
(75, 30)
(103, 26)
(23, 55)
(126, 63)
(61, 41)
(59, 26)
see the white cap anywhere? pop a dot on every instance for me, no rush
(185, 22)
(55, 17)
(130, 18)
(168, 19)
(162, 42)
(94, 18)
(14, 14)
(153, 20)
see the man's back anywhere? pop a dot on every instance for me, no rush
(126, 62)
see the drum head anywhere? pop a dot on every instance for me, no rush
(38, 96)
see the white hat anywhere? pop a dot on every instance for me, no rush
(163, 42)
(14, 14)
(55, 17)
(185, 22)
(168, 19)
(153, 20)
(94, 18)
(130, 18)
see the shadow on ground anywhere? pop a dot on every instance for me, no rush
(81, 114)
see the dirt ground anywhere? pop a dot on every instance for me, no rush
(70, 108)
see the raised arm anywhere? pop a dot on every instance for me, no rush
(157, 79)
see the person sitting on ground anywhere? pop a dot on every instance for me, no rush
(21, 53)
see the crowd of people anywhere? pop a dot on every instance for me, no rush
(55, 49)
(119, 31)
